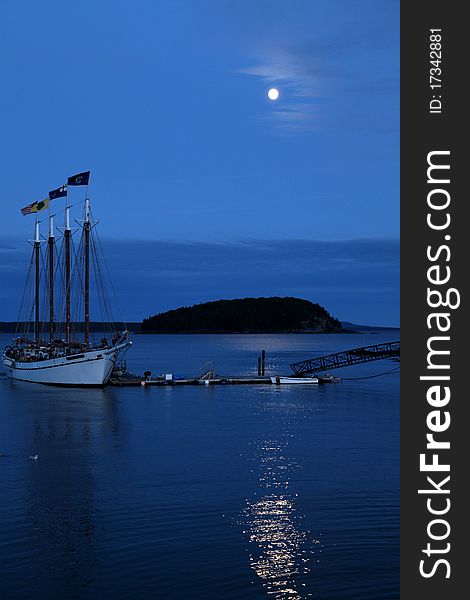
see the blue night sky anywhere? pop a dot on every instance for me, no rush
(204, 187)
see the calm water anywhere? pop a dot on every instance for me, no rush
(204, 492)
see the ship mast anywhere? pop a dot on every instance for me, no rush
(67, 236)
(37, 244)
(86, 230)
(51, 280)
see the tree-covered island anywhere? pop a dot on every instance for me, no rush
(245, 315)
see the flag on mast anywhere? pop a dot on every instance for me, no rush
(35, 207)
(79, 179)
(58, 193)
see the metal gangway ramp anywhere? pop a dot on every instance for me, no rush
(346, 358)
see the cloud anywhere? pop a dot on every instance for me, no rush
(337, 65)
(298, 79)
(199, 257)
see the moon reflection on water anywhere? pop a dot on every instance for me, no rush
(278, 545)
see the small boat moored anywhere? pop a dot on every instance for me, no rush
(294, 380)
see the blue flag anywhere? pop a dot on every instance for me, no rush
(80, 179)
(58, 193)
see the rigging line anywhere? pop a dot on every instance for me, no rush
(26, 326)
(25, 291)
(73, 268)
(29, 299)
(105, 304)
(58, 288)
(44, 304)
(79, 303)
(98, 283)
(46, 287)
(395, 370)
(94, 269)
(101, 285)
(76, 285)
(117, 304)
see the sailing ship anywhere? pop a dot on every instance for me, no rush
(55, 343)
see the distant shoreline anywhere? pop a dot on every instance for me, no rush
(134, 327)
(369, 330)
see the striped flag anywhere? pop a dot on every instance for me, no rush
(27, 210)
(35, 207)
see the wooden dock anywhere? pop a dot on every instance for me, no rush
(232, 380)
(218, 380)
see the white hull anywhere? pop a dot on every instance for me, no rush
(290, 380)
(88, 368)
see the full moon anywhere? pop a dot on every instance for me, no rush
(273, 94)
